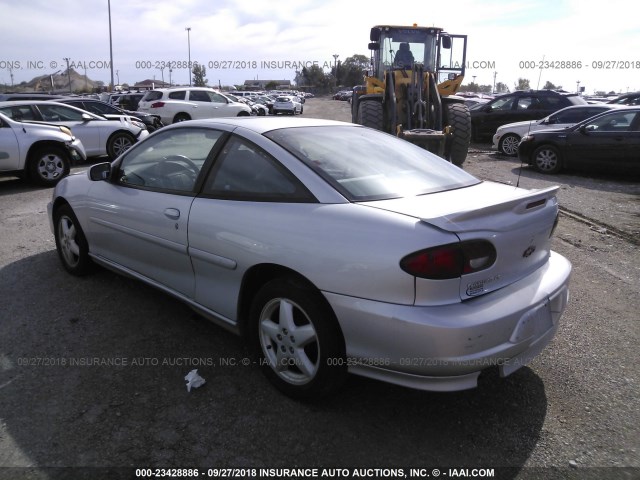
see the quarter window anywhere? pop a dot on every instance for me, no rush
(179, 95)
(246, 172)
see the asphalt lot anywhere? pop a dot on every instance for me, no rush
(92, 370)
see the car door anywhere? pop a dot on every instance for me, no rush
(9, 148)
(91, 132)
(606, 141)
(138, 220)
(204, 105)
(247, 204)
(488, 118)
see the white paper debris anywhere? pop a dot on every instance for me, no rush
(194, 380)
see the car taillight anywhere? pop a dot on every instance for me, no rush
(450, 261)
(157, 105)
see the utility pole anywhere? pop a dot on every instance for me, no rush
(68, 73)
(188, 29)
(110, 45)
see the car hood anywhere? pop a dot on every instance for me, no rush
(517, 222)
(519, 125)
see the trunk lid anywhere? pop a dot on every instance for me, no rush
(516, 221)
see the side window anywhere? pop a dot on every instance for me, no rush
(57, 113)
(171, 160)
(616, 122)
(499, 104)
(19, 113)
(528, 103)
(216, 97)
(199, 96)
(179, 95)
(244, 171)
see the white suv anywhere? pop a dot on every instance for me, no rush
(190, 103)
(37, 151)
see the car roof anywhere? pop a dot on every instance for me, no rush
(261, 125)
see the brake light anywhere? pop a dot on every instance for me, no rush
(450, 261)
(157, 105)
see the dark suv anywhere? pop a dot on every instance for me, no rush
(627, 99)
(518, 106)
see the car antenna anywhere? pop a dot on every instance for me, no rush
(530, 122)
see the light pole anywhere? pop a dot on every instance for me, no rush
(170, 70)
(495, 74)
(110, 45)
(335, 66)
(68, 73)
(578, 87)
(188, 29)
(118, 76)
(162, 72)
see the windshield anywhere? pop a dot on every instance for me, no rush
(400, 47)
(364, 165)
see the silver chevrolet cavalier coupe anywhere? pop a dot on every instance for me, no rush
(331, 247)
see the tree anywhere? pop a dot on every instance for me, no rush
(549, 86)
(523, 84)
(501, 87)
(351, 71)
(315, 77)
(199, 71)
(271, 85)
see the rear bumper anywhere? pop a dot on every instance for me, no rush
(445, 348)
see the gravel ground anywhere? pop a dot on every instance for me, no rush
(573, 413)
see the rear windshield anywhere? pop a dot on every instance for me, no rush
(364, 164)
(152, 95)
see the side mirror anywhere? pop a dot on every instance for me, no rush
(445, 41)
(374, 34)
(100, 171)
(587, 128)
(374, 46)
(86, 117)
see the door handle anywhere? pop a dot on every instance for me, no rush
(172, 213)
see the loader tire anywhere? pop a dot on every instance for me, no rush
(459, 118)
(370, 114)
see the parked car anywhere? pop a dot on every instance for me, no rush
(301, 235)
(608, 142)
(145, 120)
(10, 97)
(38, 152)
(129, 101)
(508, 136)
(190, 103)
(99, 135)
(516, 107)
(344, 95)
(287, 104)
(267, 102)
(627, 99)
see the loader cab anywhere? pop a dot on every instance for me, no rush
(432, 49)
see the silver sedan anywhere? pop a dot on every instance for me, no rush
(331, 247)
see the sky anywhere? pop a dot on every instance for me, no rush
(595, 43)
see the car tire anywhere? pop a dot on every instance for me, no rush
(297, 338)
(48, 165)
(181, 117)
(509, 144)
(243, 114)
(71, 242)
(370, 114)
(119, 143)
(301, 110)
(457, 115)
(546, 159)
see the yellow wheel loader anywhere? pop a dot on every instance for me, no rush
(410, 90)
